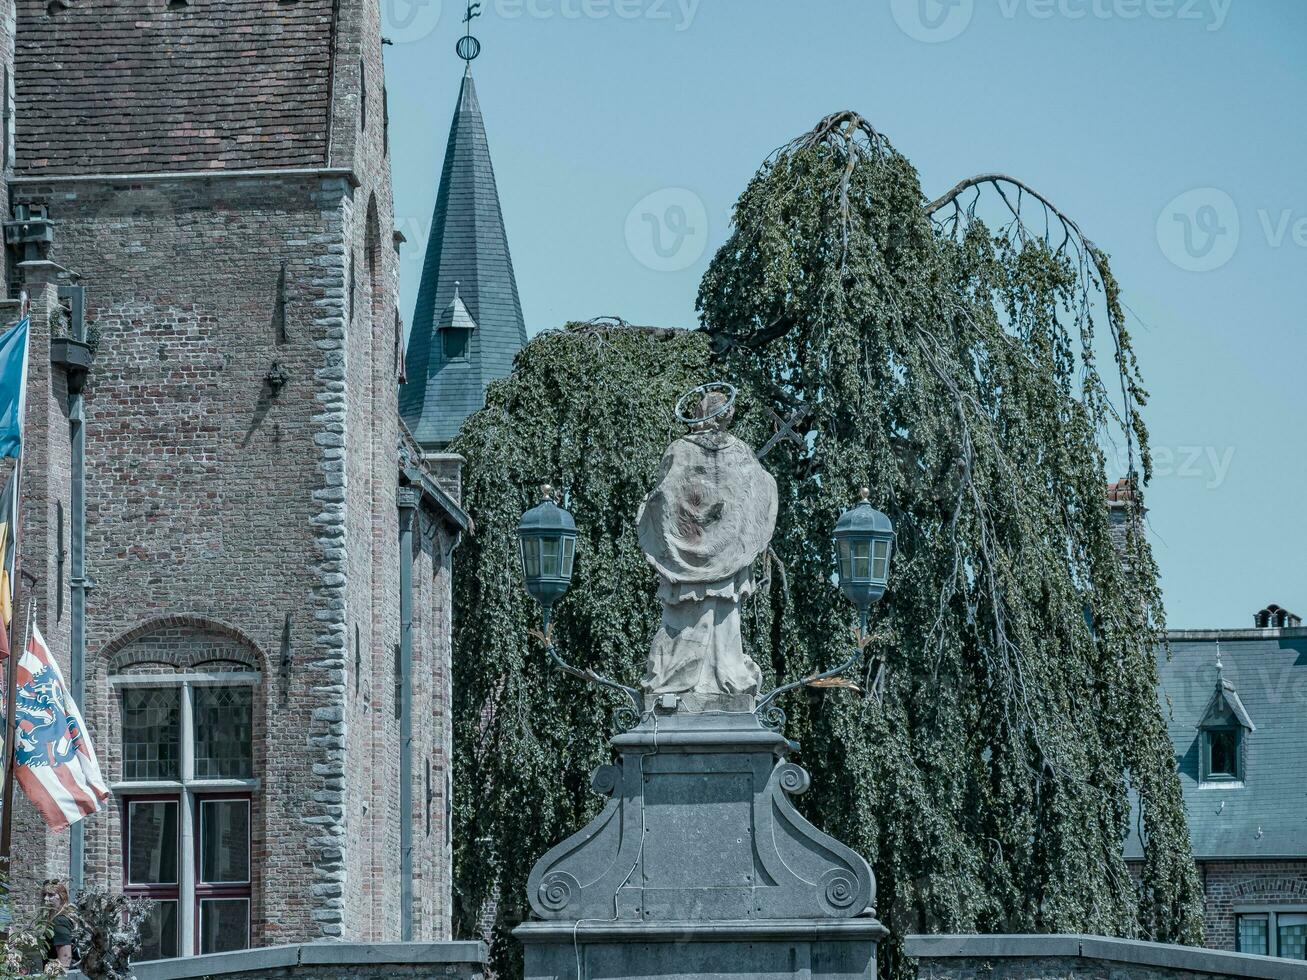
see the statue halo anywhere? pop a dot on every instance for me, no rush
(695, 397)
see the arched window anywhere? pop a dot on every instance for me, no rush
(187, 781)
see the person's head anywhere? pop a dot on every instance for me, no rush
(54, 894)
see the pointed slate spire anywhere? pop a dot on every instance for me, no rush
(451, 360)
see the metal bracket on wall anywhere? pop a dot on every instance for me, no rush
(30, 233)
(277, 377)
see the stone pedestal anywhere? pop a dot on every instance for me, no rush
(699, 866)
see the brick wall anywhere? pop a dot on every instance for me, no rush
(234, 521)
(1231, 884)
(226, 514)
(432, 728)
(209, 496)
(46, 462)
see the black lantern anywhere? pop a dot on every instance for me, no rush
(864, 539)
(547, 538)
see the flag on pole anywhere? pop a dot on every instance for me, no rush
(8, 551)
(13, 386)
(54, 760)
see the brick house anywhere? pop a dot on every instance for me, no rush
(1236, 703)
(267, 549)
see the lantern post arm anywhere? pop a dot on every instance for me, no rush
(864, 638)
(589, 676)
(843, 668)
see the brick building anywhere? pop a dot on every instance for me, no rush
(265, 608)
(1236, 701)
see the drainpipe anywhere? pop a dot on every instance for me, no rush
(76, 296)
(407, 501)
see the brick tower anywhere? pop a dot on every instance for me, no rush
(266, 625)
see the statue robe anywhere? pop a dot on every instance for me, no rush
(702, 528)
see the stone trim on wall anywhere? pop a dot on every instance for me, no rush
(325, 815)
(1062, 955)
(326, 961)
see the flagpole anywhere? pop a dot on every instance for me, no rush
(11, 686)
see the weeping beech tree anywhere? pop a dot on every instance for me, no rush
(984, 762)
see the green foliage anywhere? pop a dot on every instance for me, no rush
(589, 410)
(108, 930)
(953, 371)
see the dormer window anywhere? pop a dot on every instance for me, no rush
(455, 328)
(1222, 734)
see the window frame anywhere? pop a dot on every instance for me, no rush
(128, 803)
(191, 794)
(218, 891)
(1272, 913)
(1222, 779)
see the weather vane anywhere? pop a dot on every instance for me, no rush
(469, 47)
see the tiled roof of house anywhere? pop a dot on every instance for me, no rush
(1264, 816)
(140, 86)
(468, 247)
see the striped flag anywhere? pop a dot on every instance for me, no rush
(54, 761)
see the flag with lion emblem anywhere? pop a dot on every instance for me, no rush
(54, 760)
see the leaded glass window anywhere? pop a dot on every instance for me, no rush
(1273, 933)
(151, 733)
(1291, 935)
(224, 732)
(1254, 936)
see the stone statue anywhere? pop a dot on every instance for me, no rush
(702, 527)
(700, 867)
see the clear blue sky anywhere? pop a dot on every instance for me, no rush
(1113, 108)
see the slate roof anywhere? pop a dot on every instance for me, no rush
(1266, 816)
(140, 86)
(468, 246)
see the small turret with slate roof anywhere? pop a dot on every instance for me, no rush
(467, 324)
